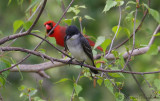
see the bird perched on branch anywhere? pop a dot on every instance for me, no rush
(60, 32)
(79, 46)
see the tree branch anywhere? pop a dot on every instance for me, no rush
(137, 51)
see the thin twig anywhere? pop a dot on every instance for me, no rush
(149, 85)
(116, 32)
(23, 58)
(72, 96)
(129, 57)
(38, 16)
(63, 7)
(27, 20)
(64, 13)
(137, 29)
(153, 36)
(139, 86)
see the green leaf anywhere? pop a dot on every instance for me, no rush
(84, 30)
(119, 96)
(35, 31)
(133, 98)
(17, 24)
(105, 44)
(99, 81)
(27, 25)
(34, 2)
(157, 84)
(129, 16)
(109, 5)
(22, 88)
(83, 6)
(62, 80)
(153, 50)
(120, 3)
(33, 92)
(108, 84)
(1, 33)
(99, 41)
(52, 40)
(88, 17)
(114, 29)
(68, 21)
(9, 2)
(130, 2)
(155, 15)
(158, 34)
(3, 65)
(81, 99)
(77, 88)
(121, 30)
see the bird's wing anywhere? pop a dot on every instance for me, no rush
(65, 45)
(86, 47)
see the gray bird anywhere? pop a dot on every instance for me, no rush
(79, 46)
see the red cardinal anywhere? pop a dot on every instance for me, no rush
(60, 32)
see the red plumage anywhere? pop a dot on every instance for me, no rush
(60, 32)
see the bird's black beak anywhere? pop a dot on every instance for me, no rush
(68, 37)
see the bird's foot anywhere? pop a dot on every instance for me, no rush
(70, 61)
(82, 63)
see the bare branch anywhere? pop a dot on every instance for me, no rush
(139, 86)
(115, 33)
(153, 36)
(64, 13)
(133, 37)
(39, 14)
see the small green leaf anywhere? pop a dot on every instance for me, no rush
(22, 87)
(1, 33)
(153, 50)
(34, 2)
(62, 80)
(27, 25)
(33, 92)
(99, 41)
(130, 2)
(77, 88)
(81, 99)
(99, 81)
(120, 3)
(109, 5)
(158, 34)
(9, 2)
(52, 40)
(84, 30)
(68, 21)
(3, 65)
(17, 24)
(105, 44)
(155, 15)
(83, 6)
(108, 84)
(157, 84)
(88, 17)
(133, 98)
(119, 96)
(35, 31)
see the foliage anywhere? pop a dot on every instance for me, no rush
(99, 18)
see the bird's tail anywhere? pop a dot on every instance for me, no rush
(94, 71)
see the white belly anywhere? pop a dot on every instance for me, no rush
(77, 51)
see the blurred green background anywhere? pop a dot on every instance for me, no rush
(101, 26)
